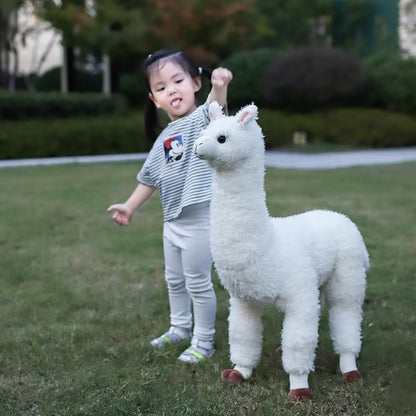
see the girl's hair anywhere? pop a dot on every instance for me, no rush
(154, 62)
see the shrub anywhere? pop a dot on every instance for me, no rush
(123, 133)
(392, 82)
(21, 105)
(73, 136)
(132, 87)
(249, 69)
(311, 78)
(358, 127)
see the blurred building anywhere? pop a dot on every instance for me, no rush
(40, 50)
(407, 27)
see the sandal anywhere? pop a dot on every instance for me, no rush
(196, 354)
(173, 336)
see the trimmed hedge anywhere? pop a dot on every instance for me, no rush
(24, 105)
(110, 134)
(310, 78)
(392, 82)
(307, 79)
(249, 71)
(356, 127)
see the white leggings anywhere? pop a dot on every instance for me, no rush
(188, 264)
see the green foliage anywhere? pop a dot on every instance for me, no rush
(81, 298)
(364, 26)
(287, 24)
(123, 133)
(24, 105)
(132, 87)
(355, 127)
(73, 136)
(392, 82)
(128, 31)
(249, 69)
(312, 78)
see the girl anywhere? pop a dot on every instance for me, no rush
(184, 186)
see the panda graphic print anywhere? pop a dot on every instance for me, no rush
(174, 148)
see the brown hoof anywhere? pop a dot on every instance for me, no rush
(279, 350)
(233, 376)
(352, 376)
(300, 394)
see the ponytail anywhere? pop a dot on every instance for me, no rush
(151, 121)
(206, 72)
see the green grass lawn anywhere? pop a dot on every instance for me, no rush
(81, 298)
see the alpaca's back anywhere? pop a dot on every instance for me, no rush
(329, 237)
(309, 247)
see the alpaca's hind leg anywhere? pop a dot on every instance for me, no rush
(299, 341)
(245, 338)
(345, 294)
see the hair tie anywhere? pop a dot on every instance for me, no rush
(200, 70)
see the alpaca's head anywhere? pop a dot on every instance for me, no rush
(229, 142)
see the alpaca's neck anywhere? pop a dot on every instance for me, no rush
(248, 178)
(239, 197)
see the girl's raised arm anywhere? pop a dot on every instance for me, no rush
(220, 79)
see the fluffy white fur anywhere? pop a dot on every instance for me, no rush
(288, 262)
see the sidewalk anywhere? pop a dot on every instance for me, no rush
(336, 160)
(276, 159)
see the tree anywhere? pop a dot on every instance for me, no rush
(364, 26)
(287, 24)
(105, 27)
(208, 31)
(9, 30)
(72, 19)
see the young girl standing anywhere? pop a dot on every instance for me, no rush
(184, 185)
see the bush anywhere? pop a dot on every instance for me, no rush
(132, 87)
(312, 78)
(22, 105)
(73, 136)
(392, 82)
(362, 127)
(112, 134)
(249, 69)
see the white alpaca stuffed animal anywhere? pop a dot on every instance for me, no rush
(287, 262)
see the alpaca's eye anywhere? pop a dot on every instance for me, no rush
(221, 139)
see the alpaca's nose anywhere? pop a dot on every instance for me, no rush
(197, 145)
(199, 141)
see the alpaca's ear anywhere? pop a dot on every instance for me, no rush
(247, 114)
(215, 111)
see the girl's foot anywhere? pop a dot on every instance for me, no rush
(174, 335)
(196, 353)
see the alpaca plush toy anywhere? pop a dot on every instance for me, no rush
(289, 262)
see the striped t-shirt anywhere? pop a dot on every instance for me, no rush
(171, 166)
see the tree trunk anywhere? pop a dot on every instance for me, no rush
(106, 74)
(70, 63)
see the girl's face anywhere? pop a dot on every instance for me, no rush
(173, 90)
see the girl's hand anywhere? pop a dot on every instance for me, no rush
(122, 214)
(221, 77)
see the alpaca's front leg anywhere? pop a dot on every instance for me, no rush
(299, 341)
(245, 338)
